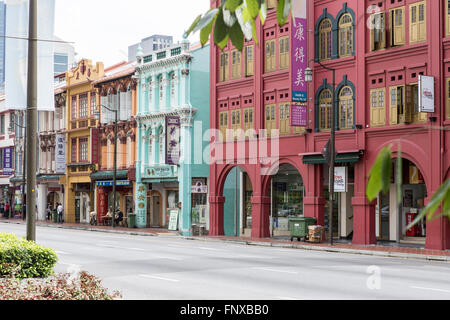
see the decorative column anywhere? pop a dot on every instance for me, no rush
(184, 174)
(260, 217)
(151, 87)
(163, 91)
(216, 215)
(184, 88)
(140, 196)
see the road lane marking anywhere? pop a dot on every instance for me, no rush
(118, 247)
(158, 278)
(431, 289)
(275, 270)
(212, 249)
(62, 252)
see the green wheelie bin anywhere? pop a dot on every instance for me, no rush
(298, 227)
(55, 216)
(131, 220)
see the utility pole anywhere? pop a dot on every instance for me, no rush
(31, 121)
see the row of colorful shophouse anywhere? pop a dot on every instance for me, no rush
(233, 140)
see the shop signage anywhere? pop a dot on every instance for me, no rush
(7, 160)
(119, 183)
(299, 51)
(340, 179)
(299, 115)
(426, 94)
(173, 140)
(199, 186)
(173, 221)
(159, 172)
(60, 154)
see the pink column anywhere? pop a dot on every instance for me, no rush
(260, 217)
(216, 216)
(364, 231)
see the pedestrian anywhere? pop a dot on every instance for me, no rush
(119, 217)
(24, 211)
(7, 210)
(49, 212)
(2, 209)
(60, 213)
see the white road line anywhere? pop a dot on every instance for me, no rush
(62, 253)
(431, 289)
(118, 247)
(169, 258)
(158, 278)
(274, 270)
(211, 249)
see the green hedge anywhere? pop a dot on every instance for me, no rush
(24, 259)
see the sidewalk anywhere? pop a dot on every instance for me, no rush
(372, 250)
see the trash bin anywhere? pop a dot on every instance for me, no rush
(131, 220)
(298, 227)
(315, 234)
(55, 216)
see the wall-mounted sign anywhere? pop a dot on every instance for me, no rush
(159, 172)
(199, 186)
(299, 51)
(7, 160)
(299, 115)
(173, 140)
(60, 154)
(426, 94)
(119, 183)
(340, 179)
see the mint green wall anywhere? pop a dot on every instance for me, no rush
(230, 202)
(199, 92)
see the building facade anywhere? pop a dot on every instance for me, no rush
(117, 91)
(379, 50)
(148, 45)
(172, 117)
(82, 138)
(52, 151)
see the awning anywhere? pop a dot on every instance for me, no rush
(159, 180)
(108, 175)
(49, 177)
(342, 157)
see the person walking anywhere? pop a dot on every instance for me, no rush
(7, 210)
(49, 212)
(60, 213)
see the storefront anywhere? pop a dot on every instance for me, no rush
(393, 218)
(287, 192)
(200, 216)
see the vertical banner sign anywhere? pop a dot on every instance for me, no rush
(340, 179)
(94, 145)
(299, 56)
(16, 55)
(173, 140)
(299, 115)
(7, 161)
(426, 94)
(60, 154)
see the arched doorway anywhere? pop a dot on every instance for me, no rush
(286, 191)
(238, 193)
(392, 218)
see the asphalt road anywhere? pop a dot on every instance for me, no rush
(170, 268)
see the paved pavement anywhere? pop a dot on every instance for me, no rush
(372, 250)
(169, 267)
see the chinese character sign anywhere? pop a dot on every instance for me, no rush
(60, 154)
(299, 52)
(173, 140)
(7, 160)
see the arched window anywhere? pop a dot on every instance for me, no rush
(346, 108)
(325, 105)
(325, 41)
(345, 35)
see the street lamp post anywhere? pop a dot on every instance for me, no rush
(308, 78)
(97, 117)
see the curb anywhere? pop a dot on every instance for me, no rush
(388, 254)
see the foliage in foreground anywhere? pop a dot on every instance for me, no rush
(22, 259)
(58, 287)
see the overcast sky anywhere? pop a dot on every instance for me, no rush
(103, 29)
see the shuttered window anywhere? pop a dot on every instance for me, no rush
(325, 105)
(417, 22)
(397, 26)
(397, 105)
(223, 72)
(325, 40)
(378, 31)
(284, 53)
(377, 107)
(248, 119)
(345, 35)
(223, 124)
(284, 119)
(346, 108)
(270, 122)
(271, 4)
(249, 61)
(447, 15)
(235, 64)
(270, 60)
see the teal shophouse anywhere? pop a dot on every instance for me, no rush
(173, 118)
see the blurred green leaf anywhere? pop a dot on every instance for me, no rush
(193, 25)
(263, 12)
(233, 4)
(253, 8)
(380, 174)
(220, 30)
(399, 174)
(283, 8)
(236, 36)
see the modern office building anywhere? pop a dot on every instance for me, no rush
(149, 44)
(64, 56)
